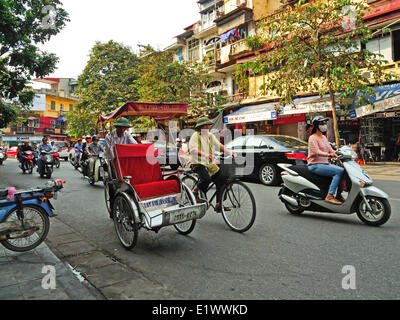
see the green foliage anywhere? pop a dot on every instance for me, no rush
(105, 83)
(318, 41)
(81, 122)
(164, 80)
(255, 42)
(8, 114)
(23, 25)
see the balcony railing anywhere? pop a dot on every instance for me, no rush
(239, 47)
(24, 129)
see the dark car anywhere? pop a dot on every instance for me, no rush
(269, 150)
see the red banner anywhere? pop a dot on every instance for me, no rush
(290, 119)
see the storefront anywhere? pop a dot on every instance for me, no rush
(11, 141)
(269, 118)
(380, 123)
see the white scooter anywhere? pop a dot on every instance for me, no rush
(303, 190)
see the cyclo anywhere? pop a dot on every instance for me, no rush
(137, 193)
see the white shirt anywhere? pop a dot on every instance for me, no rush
(112, 139)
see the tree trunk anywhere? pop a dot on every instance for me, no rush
(335, 123)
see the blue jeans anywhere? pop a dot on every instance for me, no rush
(328, 170)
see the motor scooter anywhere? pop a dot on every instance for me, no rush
(47, 164)
(305, 191)
(98, 169)
(56, 158)
(27, 162)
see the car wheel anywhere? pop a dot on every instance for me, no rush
(268, 175)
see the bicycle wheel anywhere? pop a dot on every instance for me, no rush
(37, 217)
(186, 227)
(107, 198)
(238, 206)
(125, 226)
(190, 182)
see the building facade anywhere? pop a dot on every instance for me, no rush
(47, 116)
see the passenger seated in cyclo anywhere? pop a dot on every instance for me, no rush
(202, 145)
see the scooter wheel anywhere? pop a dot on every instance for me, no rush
(381, 214)
(293, 209)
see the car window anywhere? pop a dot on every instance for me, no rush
(236, 143)
(288, 142)
(253, 142)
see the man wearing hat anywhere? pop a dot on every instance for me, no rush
(202, 146)
(119, 135)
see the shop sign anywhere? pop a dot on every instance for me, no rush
(307, 108)
(379, 106)
(250, 117)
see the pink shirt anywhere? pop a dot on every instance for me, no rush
(318, 149)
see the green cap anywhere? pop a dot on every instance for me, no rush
(122, 122)
(203, 121)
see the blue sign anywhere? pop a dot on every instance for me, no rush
(381, 93)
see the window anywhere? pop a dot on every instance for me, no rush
(62, 107)
(36, 123)
(194, 50)
(381, 45)
(53, 124)
(71, 107)
(236, 143)
(53, 105)
(253, 142)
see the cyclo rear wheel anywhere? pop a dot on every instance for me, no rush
(238, 206)
(125, 226)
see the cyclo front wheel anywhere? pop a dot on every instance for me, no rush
(238, 206)
(186, 227)
(125, 226)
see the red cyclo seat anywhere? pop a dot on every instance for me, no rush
(139, 162)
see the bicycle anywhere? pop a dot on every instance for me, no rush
(235, 196)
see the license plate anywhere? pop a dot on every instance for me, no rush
(185, 214)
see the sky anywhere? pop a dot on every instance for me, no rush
(154, 22)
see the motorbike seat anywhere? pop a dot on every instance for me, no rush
(321, 181)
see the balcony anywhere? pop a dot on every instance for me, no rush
(23, 129)
(239, 47)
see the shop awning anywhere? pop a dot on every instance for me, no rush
(311, 104)
(161, 111)
(385, 97)
(260, 112)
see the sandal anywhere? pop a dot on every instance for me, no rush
(219, 209)
(340, 198)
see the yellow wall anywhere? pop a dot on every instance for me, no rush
(58, 101)
(263, 8)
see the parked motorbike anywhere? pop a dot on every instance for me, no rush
(303, 190)
(27, 162)
(47, 164)
(24, 216)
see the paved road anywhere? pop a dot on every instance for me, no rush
(281, 257)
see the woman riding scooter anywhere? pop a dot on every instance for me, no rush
(319, 151)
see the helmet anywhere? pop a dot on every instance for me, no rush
(95, 138)
(88, 137)
(318, 119)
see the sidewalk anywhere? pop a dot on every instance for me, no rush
(384, 171)
(22, 277)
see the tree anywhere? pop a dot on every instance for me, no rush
(161, 79)
(23, 24)
(8, 114)
(319, 48)
(105, 83)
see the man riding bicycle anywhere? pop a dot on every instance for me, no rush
(202, 146)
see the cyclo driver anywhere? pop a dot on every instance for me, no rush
(201, 147)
